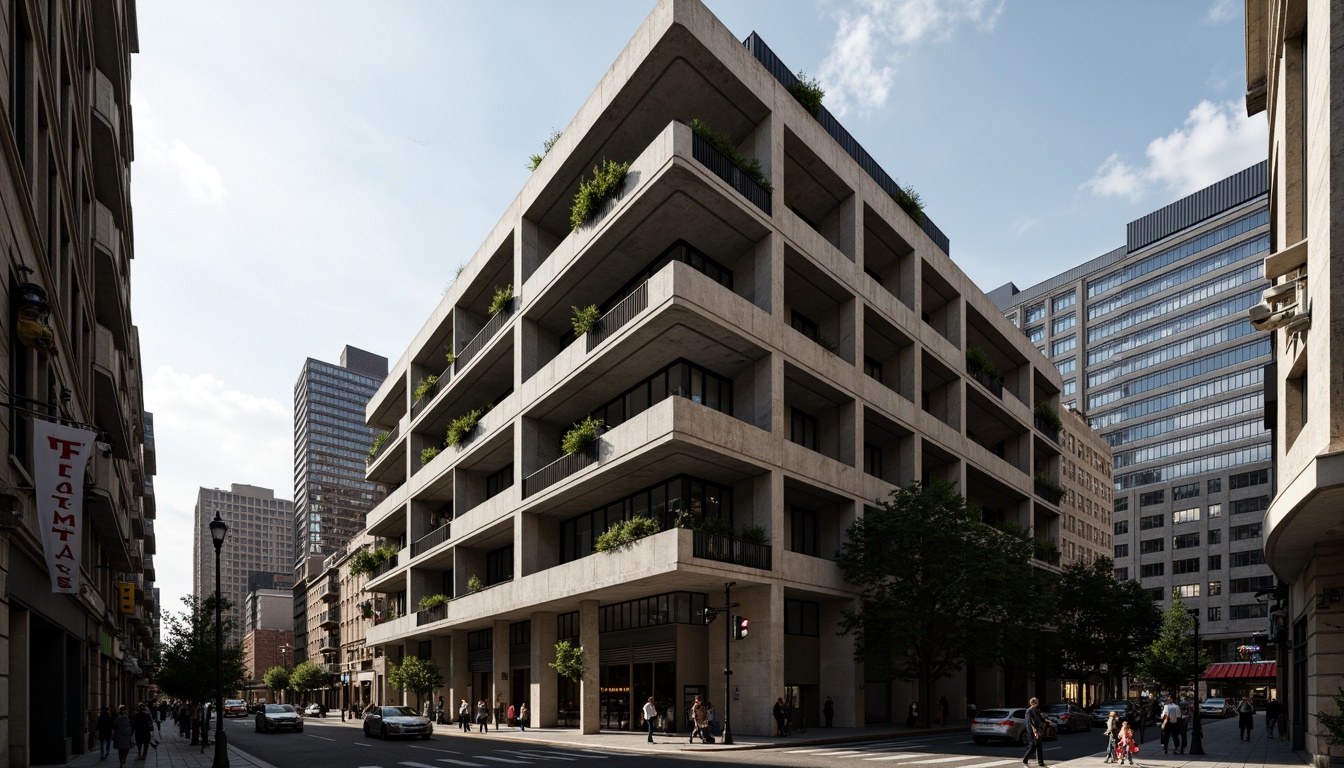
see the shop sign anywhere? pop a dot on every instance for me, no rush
(59, 456)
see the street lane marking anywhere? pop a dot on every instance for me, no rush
(461, 762)
(947, 759)
(361, 744)
(898, 757)
(324, 738)
(841, 753)
(433, 749)
(990, 764)
(803, 751)
(563, 755)
(532, 756)
(503, 760)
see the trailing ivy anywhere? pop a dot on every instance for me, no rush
(425, 386)
(623, 534)
(910, 202)
(585, 319)
(535, 160)
(808, 92)
(430, 602)
(580, 436)
(721, 142)
(608, 178)
(460, 429)
(378, 441)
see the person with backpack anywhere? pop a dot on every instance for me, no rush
(1246, 717)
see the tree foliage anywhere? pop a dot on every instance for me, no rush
(1170, 659)
(1101, 623)
(938, 586)
(187, 670)
(308, 676)
(417, 675)
(568, 661)
(276, 678)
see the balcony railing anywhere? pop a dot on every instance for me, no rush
(486, 333)
(624, 311)
(331, 616)
(437, 613)
(726, 549)
(391, 438)
(431, 540)
(1047, 556)
(1052, 495)
(382, 568)
(1049, 430)
(719, 164)
(995, 386)
(558, 470)
(842, 137)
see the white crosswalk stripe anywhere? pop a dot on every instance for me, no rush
(992, 764)
(897, 757)
(461, 762)
(535, 756)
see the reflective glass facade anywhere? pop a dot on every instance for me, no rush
(1172, 379)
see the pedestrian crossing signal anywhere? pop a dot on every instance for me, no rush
(739, 627)
(126, 597)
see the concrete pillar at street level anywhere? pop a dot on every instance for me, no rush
(589, 701)
(499, 657)
(459, 679)
(841, 678)
(545, 683)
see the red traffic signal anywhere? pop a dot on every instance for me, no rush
(739, 627)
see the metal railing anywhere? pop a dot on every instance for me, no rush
(624, 311)
(382, 568)
(1052, 495)
(720, 165)
(1050, 430)
(995, 386)
(391, 438)
(842, 137)
(558, 470)
(726, 549)
(430, 540)
(437, 613)
(486, 333)
(1049, 557)
(330, 616)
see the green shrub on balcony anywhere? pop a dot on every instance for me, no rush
(427, 454)
(977, 362)
(475, 584)
(535, 160)
(430, 602)
(713, 526)
(425, 386)
(828, 344)
(1047, 414)
(808, 92)
(378, 441)
(363, 562)
(581, 436)
(501, 300)
(568, 661)
(1048, 484)
(584, 319)
(623, 534)
(909, 201)
(608, 178)
(721, 142)
(460, 429)
(451, 357)
(751, 534)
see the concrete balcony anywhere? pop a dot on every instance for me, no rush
(109, 394)
(151, 546)
(330, 618)
(111, 270)
(148, 456)
(107, 153)
(149, 567)
(147, 498)
(109, 512)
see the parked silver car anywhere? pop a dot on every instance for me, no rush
(279, 717)
(1069, 717)
(1216, 707)
(396, 721)
(1006, 725)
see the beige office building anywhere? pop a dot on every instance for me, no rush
(1293, 56)
(770, 358)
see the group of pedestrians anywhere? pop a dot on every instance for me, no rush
(515, 716)
(126, 730)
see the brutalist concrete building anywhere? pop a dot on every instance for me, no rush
(1154, 347)
(770, 359)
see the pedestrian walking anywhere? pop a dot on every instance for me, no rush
(700, 718)
(1246, 717)
(1171, 723)
(1273, 709)
(464, 717)
(438, 713)
(1128, 747)
(912, 714)
(650, 715)
(104, 727)
(523, 717)
(779, 716)
(1035, 733)
(482, 716)
(1182, 729)
(669, 721)
(1113, 726)
(122, 734)
(828, 711)
(143, 725)
(942, 710)
(512, 716)
(788, 716)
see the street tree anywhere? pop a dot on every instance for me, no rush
(417, 675)
(932, 577)
(1102, 623)
(308, 676)
(187, 658)
(1170, 660)
(276, 678)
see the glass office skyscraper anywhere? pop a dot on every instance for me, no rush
(1154, 346)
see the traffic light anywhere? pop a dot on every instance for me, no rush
(126, 597)
(708, 616)
(739, 627)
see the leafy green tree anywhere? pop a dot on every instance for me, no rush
(568, 661)
(417, 675)
(187, 667)
(1170, 659)
(276, 678)
(1102, 623)
(308, 676)
(933, 576)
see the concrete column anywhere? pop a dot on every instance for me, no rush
(589, 702)
(545, 683)
(499, 666)
(843, 679)
(441, 652)
(757, 660)
(459, 679)
(19, 679)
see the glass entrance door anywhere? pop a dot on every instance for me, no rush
(614, 697)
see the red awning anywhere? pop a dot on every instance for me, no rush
(1242, 670)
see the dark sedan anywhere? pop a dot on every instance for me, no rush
(396, 721)
(1069, 717)
(1127, 710)
(279, 717)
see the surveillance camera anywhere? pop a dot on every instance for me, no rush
(105, 448)
(1265, 318)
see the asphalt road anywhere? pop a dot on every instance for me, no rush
(330, 744)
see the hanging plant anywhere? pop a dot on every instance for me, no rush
(427, 454)
(460, 429)
(608, 178)
(425, 386)
(378, 441)
(581, 436)
(430, 602)
(808, 92)
(501, 300)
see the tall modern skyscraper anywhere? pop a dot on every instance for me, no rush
(331, 444)
(331, 449)
(1153, 344)
(260, 540)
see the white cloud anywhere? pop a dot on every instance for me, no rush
(1216, 141)
(1023, 224)
(859, 70)
(1222, 10)
(201, 179)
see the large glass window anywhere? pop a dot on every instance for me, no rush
(1197, 393)
(1152, 569)
(1149, 546)
(669, 608)
(679, 379)
(1184, 348)
(1233, 307)
(803, 531)
(1252, 403)
(1062, 324)
(1231, 433)
(1189, 565)
(1237, 356)
(1121, 550)
(664, 502)
(1245, 532)
(1068, 365)
(1253, 504)
(1248, 479)
(1252, 611)
(1249, 557)
(497, 481)
(802, 617)
(1064, 301)
(1063, 345)
(803, 428)
(1185, 540)
(1035, 313)
(1150, 522)
(1035, 334)
(1185, 516)
(1172, 255)
(1196, 466)
(1220, 286)
(499, 565)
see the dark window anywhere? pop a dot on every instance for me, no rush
(1250, 557)
(1150, 570)
(1149, 546)
(1252, 611)
(1185, 540)
(1215, 613)
(1251, 585)
(1190, 565)
(1121, 526)
(1158, 594)
(805, 325)
(499, 565)
(1122, 574)
(480, 640)
(498, 481)
(1121, 550)
(1244, 532)
(1152, 521)
(872, 368)
(520, 633)
(1122, 504)
(424, 650)
(1215, 485)
(803, 428)
(872, 460)
(668, 608)
(1152, 497)
(802, 618)
(566, 626)
(1215, 562)
(803, 531)
(1248, 479)
(1253, 504)
(664, 502)
(1187, 491)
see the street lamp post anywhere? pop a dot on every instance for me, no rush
(218, 530)
(1197, 741)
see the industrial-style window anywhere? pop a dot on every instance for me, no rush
(497, 481)
(803, 531)
(499, 565)
(803, 428)
(802, 617)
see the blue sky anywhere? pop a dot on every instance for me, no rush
(310, 174)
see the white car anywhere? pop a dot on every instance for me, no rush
(313, 710)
